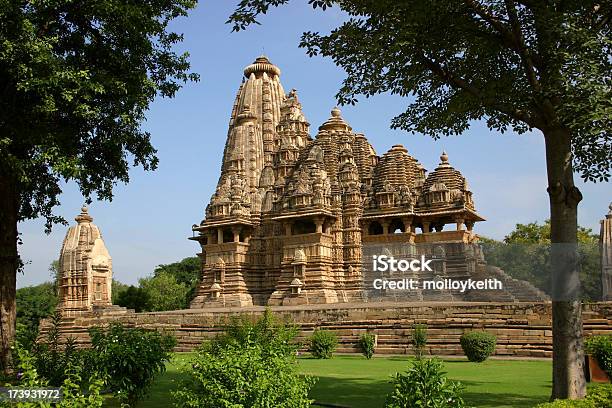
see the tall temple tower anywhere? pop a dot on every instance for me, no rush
(86, 271)
(291, 214)
(235, 208)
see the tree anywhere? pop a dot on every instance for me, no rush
(519, 64)
(133, 298)
(164, 292)
(55, 272)
(117, 288)
(525, 254)
(186, 271)
(33, 304)
(76, 79)
(536, 233)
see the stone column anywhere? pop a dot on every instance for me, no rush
(460, 224)
(219, 235)
(407, 224)
(385, 225)
(606, 255)
(319, 224)
(288, 228)
(236, 232)
(425, 227)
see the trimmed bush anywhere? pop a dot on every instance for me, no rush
(599, 396)
(323, 343)
(425, 385)
(600, 347)
(419, 339)
(367, 342)
(478, 346)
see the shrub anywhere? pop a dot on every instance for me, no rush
(425, 385)
(274, 337)
(598, 396)
(52, 359)
(323, 343)
(367, 342)
(77, 391)
(164, 292)
(251, 366)
(130, 358)
(419, 339)
(600, 347)
(478, 346)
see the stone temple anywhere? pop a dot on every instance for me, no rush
(292, 214)
(85, 268)
(293, 224)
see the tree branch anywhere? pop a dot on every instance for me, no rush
(489, 18)
(522, 49)
(508, 38)
(457, 82)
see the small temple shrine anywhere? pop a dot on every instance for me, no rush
(85, 268)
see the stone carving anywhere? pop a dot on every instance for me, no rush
(316, 154)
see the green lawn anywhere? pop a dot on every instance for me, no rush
(356, 382)
(359, 383)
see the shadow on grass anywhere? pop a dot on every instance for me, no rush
(159, 395)
(365, 393)
(483, 399)
(497, 399)
(353, 392)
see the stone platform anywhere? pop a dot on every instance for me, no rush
(522, 329)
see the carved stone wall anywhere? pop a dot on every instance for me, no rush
(522, 329)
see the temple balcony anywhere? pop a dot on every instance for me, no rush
(230, 252)
(308, 239)
(463, 236)
(398, 238)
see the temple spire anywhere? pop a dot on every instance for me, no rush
(85, 268)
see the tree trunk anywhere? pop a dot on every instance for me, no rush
(568, 353)
(9, 262)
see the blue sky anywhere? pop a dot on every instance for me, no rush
(149, 220)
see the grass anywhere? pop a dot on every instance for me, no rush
(355, 382)
(359, 383)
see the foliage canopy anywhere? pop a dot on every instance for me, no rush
(518, 64)
(77, 79)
